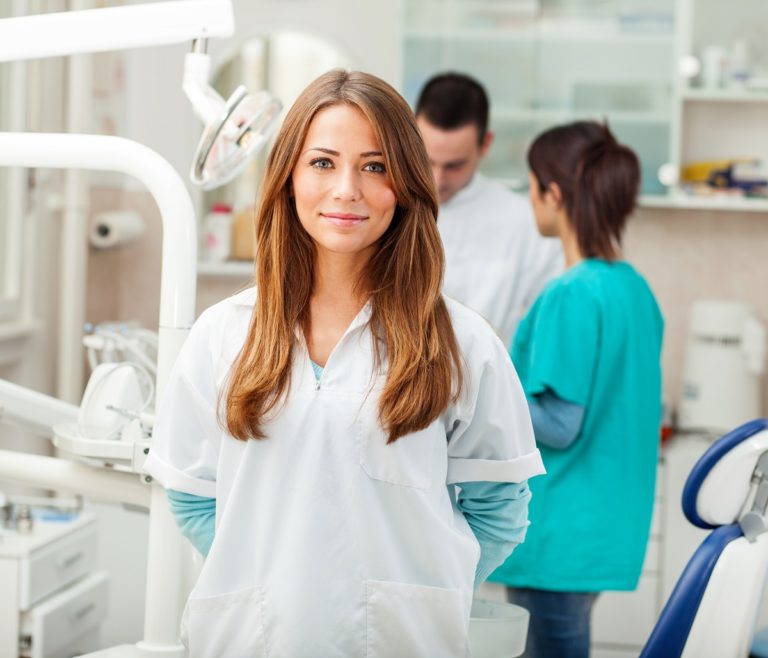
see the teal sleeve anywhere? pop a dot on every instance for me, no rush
(196, 518)
(561, 350)
(497, 514)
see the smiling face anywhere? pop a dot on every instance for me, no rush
(343, 194)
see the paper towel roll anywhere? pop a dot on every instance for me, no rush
(115, 228)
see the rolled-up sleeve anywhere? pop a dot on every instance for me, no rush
(491, 438)
(186, 437)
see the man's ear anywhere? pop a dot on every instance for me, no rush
(485, 143)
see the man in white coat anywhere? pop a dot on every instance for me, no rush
(496, 261)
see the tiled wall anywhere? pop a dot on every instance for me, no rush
(685, 255)
(689, 255)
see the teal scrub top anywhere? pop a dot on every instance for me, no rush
(594, 338)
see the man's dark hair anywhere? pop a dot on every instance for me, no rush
(453, 100)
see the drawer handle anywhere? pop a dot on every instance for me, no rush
(70, 561)
(83, 612)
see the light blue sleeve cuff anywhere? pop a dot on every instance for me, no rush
(497, 514)
(196, 518)
(492, 555)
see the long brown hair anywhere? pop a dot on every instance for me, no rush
(409, 319)
(599, 179)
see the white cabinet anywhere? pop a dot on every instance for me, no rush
(51, 603)
(720, 96)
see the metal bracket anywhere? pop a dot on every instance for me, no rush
(754, 523)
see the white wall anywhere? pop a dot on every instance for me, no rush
(158, 113)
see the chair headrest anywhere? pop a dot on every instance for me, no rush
(719, 483)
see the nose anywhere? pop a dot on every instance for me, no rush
(347, 185)
(439, 173)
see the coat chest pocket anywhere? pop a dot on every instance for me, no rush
(408, 462)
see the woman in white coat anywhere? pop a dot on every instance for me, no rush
(315, 427)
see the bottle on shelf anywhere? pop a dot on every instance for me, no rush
(217, 233)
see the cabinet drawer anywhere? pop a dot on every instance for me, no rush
(652, 556)
(61, 620)
(657, 518)
(56, 565)
(626, 618)
(613, 653)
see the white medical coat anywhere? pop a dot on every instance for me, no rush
(329, 542)
(496, 262)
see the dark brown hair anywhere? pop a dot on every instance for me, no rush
(598, 177)
(454, 100)
(403, 279)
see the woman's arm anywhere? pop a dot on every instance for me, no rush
(497, 513)
(556, 422)
(196, 517)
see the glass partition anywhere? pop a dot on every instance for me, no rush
(545, 62)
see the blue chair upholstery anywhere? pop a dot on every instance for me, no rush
(672, 631)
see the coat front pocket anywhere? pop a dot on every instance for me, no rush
(415, 621)
(224, 626)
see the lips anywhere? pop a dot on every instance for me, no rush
(344, 219)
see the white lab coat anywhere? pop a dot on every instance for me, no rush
(330, 542)
(496, 262)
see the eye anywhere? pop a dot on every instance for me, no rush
(375, 167)
(321, 163)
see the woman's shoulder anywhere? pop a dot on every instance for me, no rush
(474, 334)
(240, 302)
(230, 314)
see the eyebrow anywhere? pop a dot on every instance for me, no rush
(364, 154)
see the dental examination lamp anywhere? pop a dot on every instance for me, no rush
(235, 129)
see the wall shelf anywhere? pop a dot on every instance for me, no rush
(725, 95)
(230, 268)
(681, 200)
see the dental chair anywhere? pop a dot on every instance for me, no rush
(712, 610)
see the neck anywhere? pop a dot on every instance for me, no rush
(336, 276)
(571, 250)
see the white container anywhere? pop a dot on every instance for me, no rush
(714, 66)
(217, 233)
(724, 363)
(497, 630)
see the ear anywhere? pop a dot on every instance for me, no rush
(485, 143)
(557, 194)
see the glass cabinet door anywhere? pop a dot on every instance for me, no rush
(545, 62)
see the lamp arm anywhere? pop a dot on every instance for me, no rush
(113, 28)
(206, 101)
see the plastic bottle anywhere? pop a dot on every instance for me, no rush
(739, 67)
(217, 233)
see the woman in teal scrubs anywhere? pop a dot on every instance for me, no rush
(588, 355)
